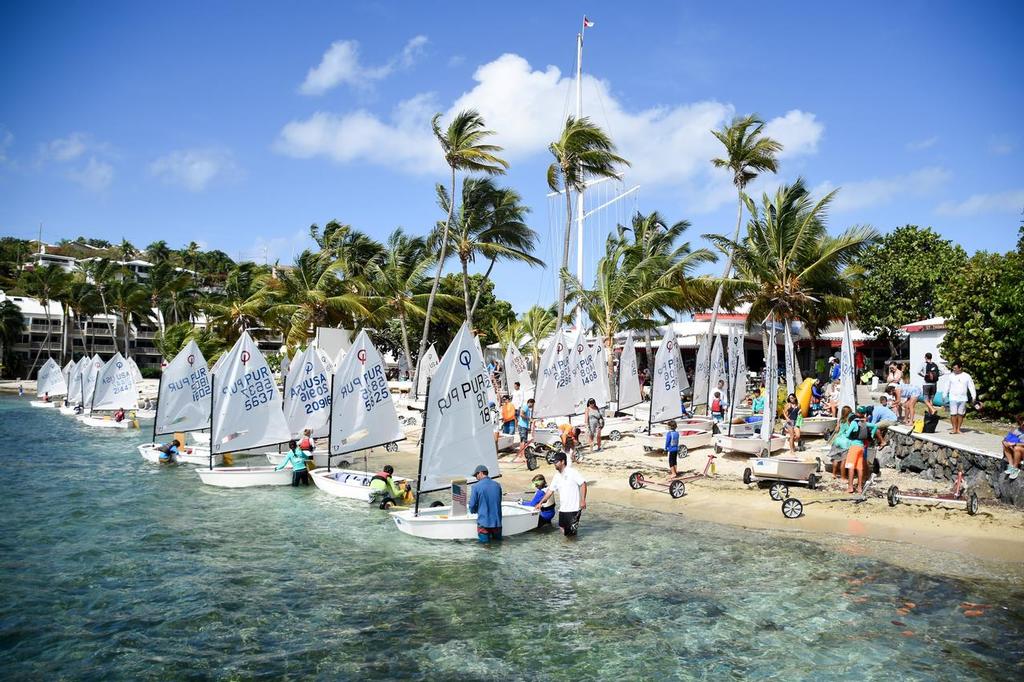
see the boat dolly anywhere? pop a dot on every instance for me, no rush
(675, 487)
(792, 508)
(955, 496)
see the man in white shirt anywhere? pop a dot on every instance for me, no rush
(572, 495)
(961, 390)
(518, 397)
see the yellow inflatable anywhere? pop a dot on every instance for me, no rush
(803, 396)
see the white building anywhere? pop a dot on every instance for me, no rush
(925, 337)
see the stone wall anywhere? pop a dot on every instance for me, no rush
(983, 474)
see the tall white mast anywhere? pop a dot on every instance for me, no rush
(579, 195)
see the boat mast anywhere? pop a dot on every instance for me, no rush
(330, 426)
(579, 194)
(419, 471)
(156, 416)
(212, 379)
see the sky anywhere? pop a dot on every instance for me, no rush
(238, 125)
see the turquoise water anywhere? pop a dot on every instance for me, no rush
(116, 569)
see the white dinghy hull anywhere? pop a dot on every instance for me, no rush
(786, 468)
(751, 445)
(436, 523)
(107, 422)
(41, 403)
(691, 438)
(188, 455)
(68, 411)
(347, 483)
(244, 477)
(319, 459)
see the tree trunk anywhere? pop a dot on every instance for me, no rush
(728, 268)
(565, 258)
(437, 281)
(106, 314)
(124, 325)
(465, 291)
(46, 343)
(405, 341)
(476, 299)
(64, 335)
(650, 350)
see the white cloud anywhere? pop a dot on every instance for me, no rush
(340, 65)
(194, 169)
(1011, 201)
(272, 249)
(878, 191)
(798, 131)
(1001, 145)
(921, 145)
(65, 149)
(668, 145)
(95, 176)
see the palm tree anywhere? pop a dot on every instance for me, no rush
(130, 301)
(104, 274)
(788, 266)
(747, 153)
(126, 250)
(649, 237)
(158, 252)
(490, 224)
(397, 286)
(172, 293)
(83, 302)
(191, 257)
(12, 323)
(464, 148)
(309, 295)
(44, 284)
(340, 242)
(583, 151)
(240, 307)
(539, 323)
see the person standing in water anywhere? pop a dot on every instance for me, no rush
(485, 502)
(572, 495)
(297, 458)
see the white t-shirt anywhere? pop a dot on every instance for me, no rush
(959, 384)
(518, 399)
(567, 485)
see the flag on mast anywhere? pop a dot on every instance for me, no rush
(587, 23)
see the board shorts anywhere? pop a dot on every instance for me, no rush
(485, 535)
(884, 424)
(569, 522)
(853, 456)
(673, 457)
(914, 392)
(958, 407)
(928, 391)
(524, 434)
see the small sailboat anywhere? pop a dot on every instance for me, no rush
(114, 389)
(667, 402)
(362, 417)
(458, 436)
(75, 379)
(763, 442)
(246, 411)
(183, 406)
(49, 384)
(307, 400)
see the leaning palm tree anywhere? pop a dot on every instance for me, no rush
(747, 153)
(45, 284)
(340, 242)
(83, 303)
(539, 323)
(489, 224)
(583, 151)
(309, 295)
(241, 305)
(397, 286)
(12, 322)
(788, 266)
(103, 273)
(464, 147)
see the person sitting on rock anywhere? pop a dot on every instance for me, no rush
(1013, 449)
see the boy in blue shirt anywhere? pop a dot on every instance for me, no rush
(672, 448)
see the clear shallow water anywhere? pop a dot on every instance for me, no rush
(116, 569)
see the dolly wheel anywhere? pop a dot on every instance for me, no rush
(391, 447)
(531, 461)
(615, 435)
(792, 508)
(676, 489)
(647, 448)
(892, 496)
(778, 491)
(437, 503)
(747, 476)
(540, 447)
(684, 451)
(388, 503)
(718, 449)
(972, 504)
(812, 481)
(550, 456)
(636, 480)
(820, 467)
(551, 425)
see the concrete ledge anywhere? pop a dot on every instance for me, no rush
(949, 441)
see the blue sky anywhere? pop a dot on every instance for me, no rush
(239, 124)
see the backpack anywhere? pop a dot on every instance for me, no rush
(864, 433)
(930, 422)
(931, 374)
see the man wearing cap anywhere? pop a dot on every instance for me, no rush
(485, 502)
(572, 495)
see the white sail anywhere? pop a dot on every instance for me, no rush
(737, 368)
(666, 402)
(603, 392)
(492, 390)
(771, 399)
(325, 359)
(716, 368)
(587, 374)
(364, 411)
(847, 378)
(75, 381)
(221, 360)
(50, 379)
(790, 359)
(701, 374)
(89, 385)
(247, 407)
(68, 369)
(184, 400)
(427, 368)
(459, 429)
(556, 392)
(136, 373)
(286, 364)
(629, 378)
(307, 393)
(516, 370)
(115, 386)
